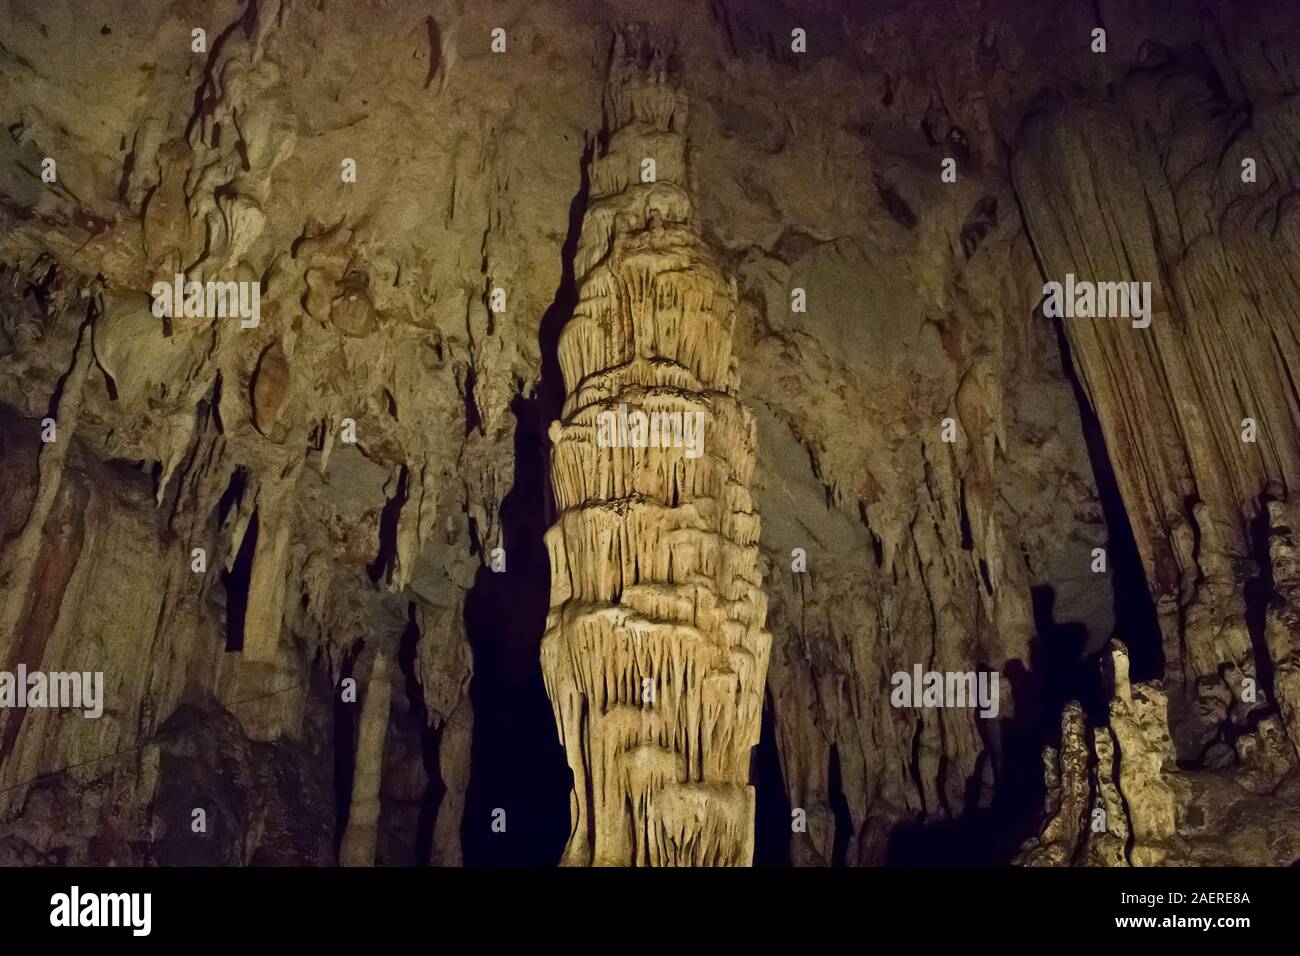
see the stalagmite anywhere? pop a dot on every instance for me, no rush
(1282, 616)
(1066, 778)
(1140, 726)
(1126, 811)
(655, 651)
(362, 833)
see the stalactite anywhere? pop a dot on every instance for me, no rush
(1178, 401)
(655, 653)
(266, 592)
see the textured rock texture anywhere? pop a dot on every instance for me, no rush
(1199, 411)
(233, 524)
(655, 653)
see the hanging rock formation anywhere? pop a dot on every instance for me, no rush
(655, 652)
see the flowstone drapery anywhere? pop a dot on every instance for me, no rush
(655, 651)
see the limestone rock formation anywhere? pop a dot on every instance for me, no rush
(1112, 799)
(655, 652)
(1197, 410)
(362, 833)
(231, 518)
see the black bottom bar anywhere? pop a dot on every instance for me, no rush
(549, 907)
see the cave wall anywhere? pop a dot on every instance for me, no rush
(818, 171)
(1182, 178)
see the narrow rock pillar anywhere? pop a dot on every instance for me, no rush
(362, 832)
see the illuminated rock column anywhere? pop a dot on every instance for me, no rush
(655, 652)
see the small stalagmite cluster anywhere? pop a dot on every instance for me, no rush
(655, 652)
(1112, 799)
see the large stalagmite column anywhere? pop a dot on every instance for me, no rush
(655, 652)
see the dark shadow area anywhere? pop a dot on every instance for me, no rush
(1058, 661)
(204, 759)
(980, 837)
(516, 762)
(772, 806)
(382, 567)
(1260, 591)
(19, 472)
(548, 399)
(991, 835)
(473, 418)
(236, 583)
(1136, 623)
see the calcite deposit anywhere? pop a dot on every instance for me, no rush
(655, 652)
(438, 543)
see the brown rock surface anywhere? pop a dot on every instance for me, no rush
(350, 465)
(655, 653)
